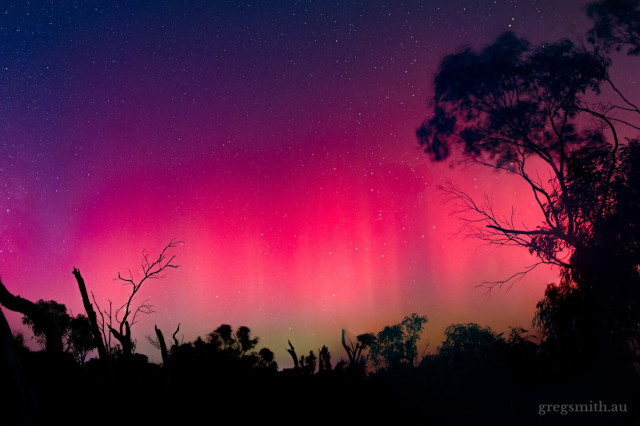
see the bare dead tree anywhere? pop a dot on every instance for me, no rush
(126, 315)
(153, 341)
(354, 351)
(292, 352)
(175, 339)
(163, 346)
(104, 324)
(159, 343)
(91, 314)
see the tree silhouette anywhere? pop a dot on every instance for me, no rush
(160, 343)
(41, 316)
(236, 344)
(245, 341)
(73, 332)
(91, 315)
(19, 405)
(80, 339)
(468, 338)
(324, 359)
(396, 345)
(294, 356)
(222, 337)
(507, 105)
(308, 363)
(354, 350)
(224, 354)
(519, 109)
(616, 24)
(472, 354)
(266, 359)
(126, 315)
(57, 318)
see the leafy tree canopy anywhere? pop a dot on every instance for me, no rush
(616, 24)
(536, 112)
(397, 345)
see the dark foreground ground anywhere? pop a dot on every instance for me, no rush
(58, 391)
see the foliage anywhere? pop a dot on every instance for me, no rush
(468, 338)
(616, 24)
(244, 340)
(237, 344)
(324, 359)
(534, 112)
(80, 340)
(396, 345)
(355, 350)
(511, 103)
(55, 313)
(75, 331)
(266, 360)
(308, 363)
(224, 351)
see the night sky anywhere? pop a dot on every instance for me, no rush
(276, 139)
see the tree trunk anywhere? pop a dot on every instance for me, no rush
(52, 333)
(21, 408)
(91, 314)
(124, 338)
(292, 352)
(351, 352)
(175, 339)
(163, 347)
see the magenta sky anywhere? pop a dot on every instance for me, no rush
(275, 139)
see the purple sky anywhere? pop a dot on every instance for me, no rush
(276, 139)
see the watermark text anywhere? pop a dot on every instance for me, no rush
(590, 407)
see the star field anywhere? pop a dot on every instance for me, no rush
(276, 139)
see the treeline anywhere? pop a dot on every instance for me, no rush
(476, 375)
